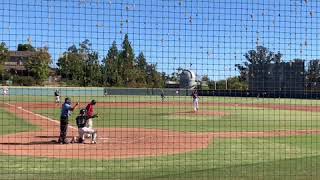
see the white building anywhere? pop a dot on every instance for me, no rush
(188, 79)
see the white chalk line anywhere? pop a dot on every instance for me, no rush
(41, 116)
(57, 122)
(47, 118)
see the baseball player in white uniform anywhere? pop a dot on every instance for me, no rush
(5, 90)
(195, 101)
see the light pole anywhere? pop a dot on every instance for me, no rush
(226, 84)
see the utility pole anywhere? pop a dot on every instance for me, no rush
(226, 84)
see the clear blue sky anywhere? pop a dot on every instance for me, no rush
(213, 35)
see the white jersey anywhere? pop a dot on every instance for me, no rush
(5, 91)
(195, 101)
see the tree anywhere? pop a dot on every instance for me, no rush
(92, 75)
(4, 56)
(313, 74)
(142, 62)
(126, 62)
(154, 78)
(175, 75)
(142, 69)
(232, 83)
(221, 85)
(92, 69)
(212, 84)
(111, 67)
(4, 52)
(38, 65)
(81, 65)
(26, 47)
(71, 65)
(122, 68)
(235, 83)
(259, 56)
(205, 78)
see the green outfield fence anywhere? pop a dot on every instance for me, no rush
(159, 89)
(110, 91)
(94, 91)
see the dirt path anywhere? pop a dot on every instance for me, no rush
(113, 142)
(308, 108)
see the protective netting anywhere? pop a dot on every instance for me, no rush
(159, 89)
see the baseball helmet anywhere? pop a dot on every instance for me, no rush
(83, 111)
(93, 102)
(67, 100)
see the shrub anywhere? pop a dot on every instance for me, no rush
(24, 80)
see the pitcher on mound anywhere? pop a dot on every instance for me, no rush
(195, 100)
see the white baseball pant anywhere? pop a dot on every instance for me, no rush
(196, 104)
(85, 130)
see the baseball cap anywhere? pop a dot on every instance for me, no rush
(93, 101)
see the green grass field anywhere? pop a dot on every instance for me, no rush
(239, 119)
(295, 157)
(10, 124)
(115, 98)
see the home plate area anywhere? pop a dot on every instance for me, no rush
(112, 143)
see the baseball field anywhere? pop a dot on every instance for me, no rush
(140, 137)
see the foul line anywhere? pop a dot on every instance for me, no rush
(41, 116)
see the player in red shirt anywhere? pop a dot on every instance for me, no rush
(90, 114)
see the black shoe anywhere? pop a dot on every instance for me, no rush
(81, 141)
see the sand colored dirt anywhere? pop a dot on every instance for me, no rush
(112, 142)
(117, 142)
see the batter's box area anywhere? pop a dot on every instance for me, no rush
(112, 143)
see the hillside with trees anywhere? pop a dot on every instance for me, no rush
(122, 68)
(36, 64)
(80, 65)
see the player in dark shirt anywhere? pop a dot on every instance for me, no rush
(66, 111)
(82, 121)
(57, 96)
(162, 96)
